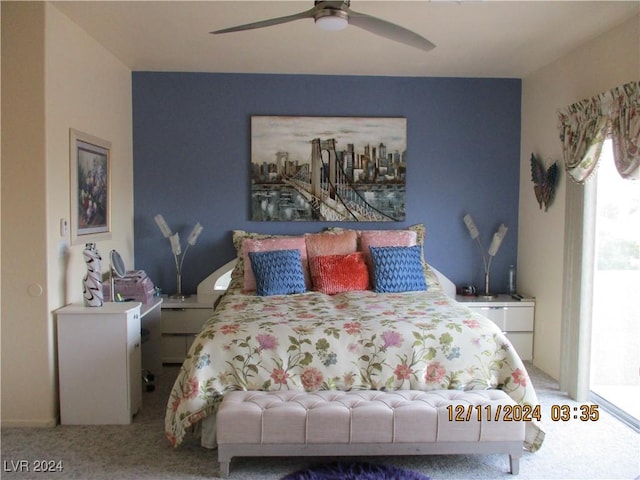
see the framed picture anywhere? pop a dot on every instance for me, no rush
(90, 165)
(337, 169)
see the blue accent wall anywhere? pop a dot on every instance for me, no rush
(192, 150)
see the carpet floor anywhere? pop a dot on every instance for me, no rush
(573, 450)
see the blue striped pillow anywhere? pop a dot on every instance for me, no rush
(278, 272)
(397, 269)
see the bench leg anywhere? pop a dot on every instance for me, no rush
(224, 469)
(514, 464)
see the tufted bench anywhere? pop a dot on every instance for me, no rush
(371, 422)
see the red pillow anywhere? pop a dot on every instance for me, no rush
(333, 274)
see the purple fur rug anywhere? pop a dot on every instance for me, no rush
(355, 471)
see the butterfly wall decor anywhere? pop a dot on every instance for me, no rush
(544, 181)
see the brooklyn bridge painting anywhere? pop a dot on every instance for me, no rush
(332, 169)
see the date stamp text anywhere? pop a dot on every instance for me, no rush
(522, 413)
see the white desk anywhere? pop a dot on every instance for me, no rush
(99, 363)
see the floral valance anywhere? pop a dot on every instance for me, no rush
(584, 126)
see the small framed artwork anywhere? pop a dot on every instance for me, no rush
(90, 167)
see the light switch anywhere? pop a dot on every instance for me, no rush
(64, 227)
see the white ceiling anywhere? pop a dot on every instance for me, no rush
(473, 39)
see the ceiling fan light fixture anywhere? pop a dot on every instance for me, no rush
(337, 15)
(333, 20)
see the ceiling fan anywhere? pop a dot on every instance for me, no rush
(336, 15)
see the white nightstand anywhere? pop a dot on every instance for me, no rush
(181, 321)
(514, 317)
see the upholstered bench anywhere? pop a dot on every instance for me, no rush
(335, 423)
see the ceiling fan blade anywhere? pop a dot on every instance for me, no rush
(389, 30)
(268, 23)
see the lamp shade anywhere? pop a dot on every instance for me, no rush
(471, 226)
(195, 233)
(175, 244)
(162, 225)
(496, 241)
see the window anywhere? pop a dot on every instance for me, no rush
(615, 327)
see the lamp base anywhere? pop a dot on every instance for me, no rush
(487, 295)
(179, 296)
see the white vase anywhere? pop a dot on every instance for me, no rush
(92, 281)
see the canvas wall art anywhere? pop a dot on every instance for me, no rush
(332, 169)
(90, 187)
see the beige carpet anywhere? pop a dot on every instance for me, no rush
(606, 449)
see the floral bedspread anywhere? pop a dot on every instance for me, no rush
(355, 340)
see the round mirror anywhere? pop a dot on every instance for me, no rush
(117, 264)
(117, 268)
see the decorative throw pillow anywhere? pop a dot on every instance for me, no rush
(278, 272)
(269, 244)
(397, 269)
(237, 275)
(384, 238)
(331, 243)
(333, 274)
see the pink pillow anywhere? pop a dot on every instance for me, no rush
(267, 245)
(331, 243)
(333, 274)
(385, 238)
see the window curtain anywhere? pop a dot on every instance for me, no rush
(585, 125)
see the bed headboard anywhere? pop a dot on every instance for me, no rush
(218, 281)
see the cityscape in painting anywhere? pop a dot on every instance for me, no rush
(328, 169)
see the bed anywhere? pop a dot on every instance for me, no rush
(337, 333)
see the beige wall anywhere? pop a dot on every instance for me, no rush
(25, 350)
(602, 64)
(54, 77)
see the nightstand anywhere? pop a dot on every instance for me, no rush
(514, 317)
(181, 321)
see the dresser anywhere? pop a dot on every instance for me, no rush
(99, 363)
(181, 321)
(514, 317)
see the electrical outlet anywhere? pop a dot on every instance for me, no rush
(64, 227)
